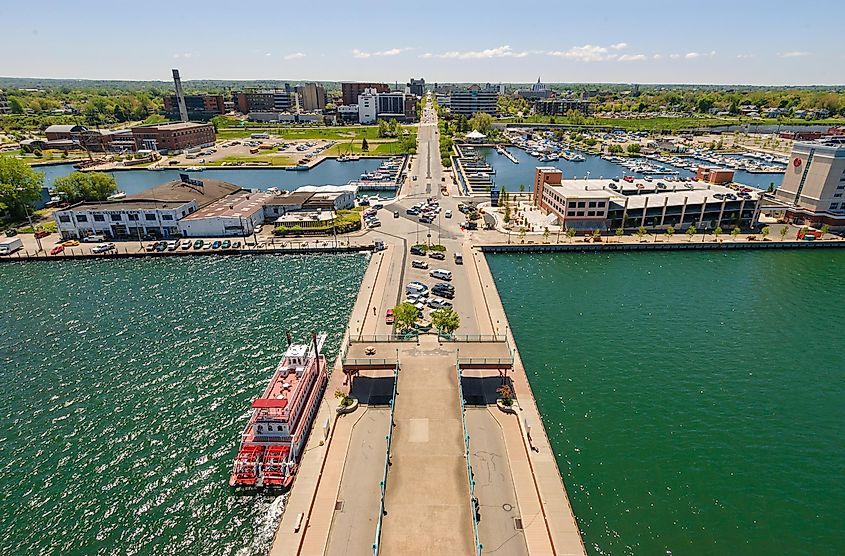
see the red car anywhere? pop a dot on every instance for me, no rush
(41, 233)
(388, 318)
(57, 249)
(629, 179)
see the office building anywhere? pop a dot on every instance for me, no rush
(600, 204)
(813, 186)
(272, 100)
(367, 106)
(200, 107)
(474, 99)
(417, 87)
(311, 97)
(5, 108)
(177, 136)
(351, 91)
(561, 106)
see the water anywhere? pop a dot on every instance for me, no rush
(694, 400)
(512, 175)
(328, 172)
(124, 388)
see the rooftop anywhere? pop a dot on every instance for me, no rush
(171, 126)
(242, 203)
(296, 198)
(640, 191)
(203, 191)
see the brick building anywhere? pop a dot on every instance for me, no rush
(176, 136)
(200, 107)
(350, 91)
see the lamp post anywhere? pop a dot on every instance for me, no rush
(29, 219)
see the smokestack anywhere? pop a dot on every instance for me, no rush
(180, 96)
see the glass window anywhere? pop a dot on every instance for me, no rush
(99, 218)
(580, 213)
(592, 204)
(167, 217)
(570, 213)
(81, 218)
(591, 213)
(150, 217)
(133, 217)
(116, 218)
(582, 204)
(834, 206)
(64, 218)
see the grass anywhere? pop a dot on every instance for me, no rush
(270, 160)
(340, 133)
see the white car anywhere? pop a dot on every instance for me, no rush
(93, 239)
(105, 248)
(416, 263)
(257, 229)
(206, 245)
(448, 214)
(186, 244)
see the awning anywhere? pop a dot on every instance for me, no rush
(270, 403)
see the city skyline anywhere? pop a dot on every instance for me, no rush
(658, 43)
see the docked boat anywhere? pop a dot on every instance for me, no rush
(194, 168)
(117, 196)
(274, 439)
(297, 168)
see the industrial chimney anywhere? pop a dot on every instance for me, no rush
(180, 96)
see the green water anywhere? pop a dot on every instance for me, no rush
(125, 385)
(695, 401)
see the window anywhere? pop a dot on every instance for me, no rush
(116, 218)
(834, 206)
(592, 204)
(81, 218)
(133, 217)
(582, 204)
(64, 218)
(150, 217)
(580, 213)
(600, 204)
(99, 218)
(570, 213)
(591, 213)
(167, 217)
(835, 195)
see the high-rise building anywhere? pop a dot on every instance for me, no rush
(199, 107)
(474, 99)
(813, 186)
(417, 87)
(350, 91)
(311, 97)
(263, 101)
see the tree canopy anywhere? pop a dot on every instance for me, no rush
(20, 186)
(481, 121)
(404, 316)
(445, 320)
(85, 186)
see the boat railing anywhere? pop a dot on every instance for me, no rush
(473, 501)
(383, 483)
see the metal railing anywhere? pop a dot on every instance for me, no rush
(383, 483)
(491, 361)
(474, 338)
(373, 338)
(470, 477)
(352, 361)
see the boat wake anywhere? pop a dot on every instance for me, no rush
(265, 526)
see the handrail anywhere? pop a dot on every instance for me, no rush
(383, 483)
(367, 361)
(374, 338)
(472, 499)
(485, 360)
(474, 338)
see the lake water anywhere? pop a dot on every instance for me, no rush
(695, 401)
(328, 172)
(125, 386)
(512, 175)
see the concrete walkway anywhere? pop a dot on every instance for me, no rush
(427, 502)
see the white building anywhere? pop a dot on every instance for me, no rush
(367, 106)
(336, 197)
(234, 215)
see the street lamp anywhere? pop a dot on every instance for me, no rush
(29, 219)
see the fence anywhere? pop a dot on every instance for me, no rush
(383, 483)
(470, 477)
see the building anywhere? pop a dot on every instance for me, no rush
(175, 136)
(200, 107)
(475, 137)
(69, 137)
(254, 101)
(813, 186)
(367, 106)
(5, 108)
(348, 113)
(236, 214)
(561, 106)
(287, 117)
(329, 197)
(311, 97)
(417, 87)
(538, 91)
(155, 211)
(714, 174)
(600, 204)
(474, 99)
(351, 91)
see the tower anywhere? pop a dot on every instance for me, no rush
(180, 96)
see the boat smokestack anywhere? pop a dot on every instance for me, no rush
(180, 96)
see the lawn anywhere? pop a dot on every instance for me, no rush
(271, 160)
(341, 133)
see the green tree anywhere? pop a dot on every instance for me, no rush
(717, 232)
(85, 186)
(641, 231)
(620, 231)
(764, 232)
(783, 232)
(16, 105)
(481, 121)
(546, 234)
(570, 233)
(20, 186)
(445, 320)
(404, 316)
(522, 234)
(522, 188)
(634, 148)
(507, 214)
(735, 232)
(824, 229)
(670, 231)
(691, 231)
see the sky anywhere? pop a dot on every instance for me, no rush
(607, 41)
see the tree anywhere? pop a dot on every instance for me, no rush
(16, 105)
(481, 121)
(365, 146)
(634, 148)
(382, 128)
(445, 320)
(596, 235)
(20, 186)
(615, 149)
(522, 234)
(507, 215)
(570, 233)
(620, 231)
(771, 188)
(85, 186)
(546, 234)
(404, 316)
(670, 231)
(691, 231)
(735, 232)
(764, 232)
(824, 229)
(641, 231)
(783, 232)
(717, 232)
(522, 188)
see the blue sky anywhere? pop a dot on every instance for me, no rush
(606, 41)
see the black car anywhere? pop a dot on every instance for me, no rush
(443, 286)
(448, 294)
(417, 251)
(437, 255)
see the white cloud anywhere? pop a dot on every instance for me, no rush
(619, 46)
(184, 55)
(793, 54)
(295, 56)
(427, 55)
(657, 56)
(631, 57)
(586, 53)
(268, 54)
(504, 51)
(746, 56)
(694, 55)
(391, 52)
(674, 56)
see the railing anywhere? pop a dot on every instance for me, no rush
(383, 483)
(372, 338)
(472, 500)
(352, 362)
(474, 338)
(490, 361)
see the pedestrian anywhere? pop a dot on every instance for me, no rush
(374, 311)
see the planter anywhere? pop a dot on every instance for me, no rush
(500, 403)
(341, 410)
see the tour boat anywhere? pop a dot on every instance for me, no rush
(275, 437)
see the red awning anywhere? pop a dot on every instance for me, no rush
(270, 403)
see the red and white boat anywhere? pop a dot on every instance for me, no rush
(281, 419)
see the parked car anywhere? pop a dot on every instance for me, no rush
(95, 238)
(216, 244)
(151, 247)
(388, 318)
(417, 251)
(57, 249)
(416, 263)
(172, 245)
(236, 245)
(437, 255)
(71, 243)
(41, 234)
(161, 246)
(186, 244)
(226, 244)
(448, 214)
(103, 248)
(395, 214)
(198, 244)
